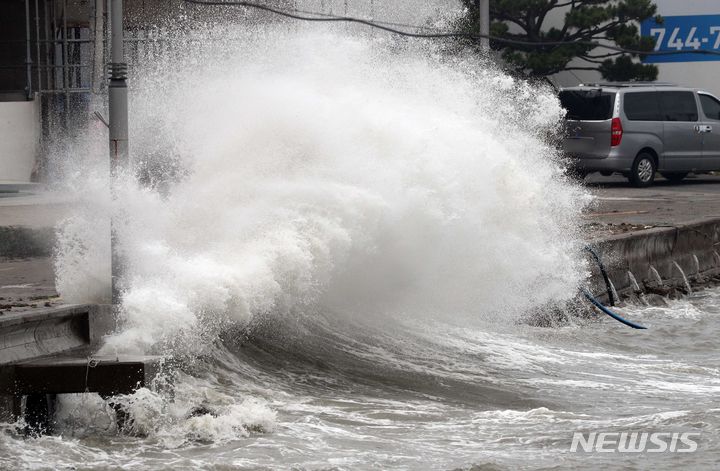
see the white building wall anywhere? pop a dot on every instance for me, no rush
(19, 139)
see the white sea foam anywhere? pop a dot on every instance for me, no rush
(195, 413)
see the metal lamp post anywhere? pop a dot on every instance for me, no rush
(118, 111)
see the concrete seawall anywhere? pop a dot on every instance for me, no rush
(661, 259)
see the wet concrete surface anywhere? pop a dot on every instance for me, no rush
(32, 209)
(27, 284)
(619, 207)
(27, 218)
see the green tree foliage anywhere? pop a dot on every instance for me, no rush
(585, 20)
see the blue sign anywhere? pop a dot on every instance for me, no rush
(684, 33)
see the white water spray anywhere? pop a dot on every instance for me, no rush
(684, 278)
(369, 177)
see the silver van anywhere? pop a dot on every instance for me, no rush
(638, 129)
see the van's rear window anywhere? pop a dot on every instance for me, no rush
(587, 104)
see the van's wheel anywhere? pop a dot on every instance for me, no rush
(643, 169)
(675, 177)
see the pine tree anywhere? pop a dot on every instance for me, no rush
(585, 20)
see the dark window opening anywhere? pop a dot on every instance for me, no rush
(13, 69)
(587, 105)
(710, 106)
(642, 106)
(678, 106)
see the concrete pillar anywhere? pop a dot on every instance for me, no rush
(40, 414)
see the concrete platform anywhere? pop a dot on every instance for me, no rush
(29, 388)
(50, 351)
(78, 372)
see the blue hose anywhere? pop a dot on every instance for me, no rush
(607, 311)
(603, 271)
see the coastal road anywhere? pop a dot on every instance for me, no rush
(620, 207)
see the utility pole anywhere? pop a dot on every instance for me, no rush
(118, 110)
(483, 7)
